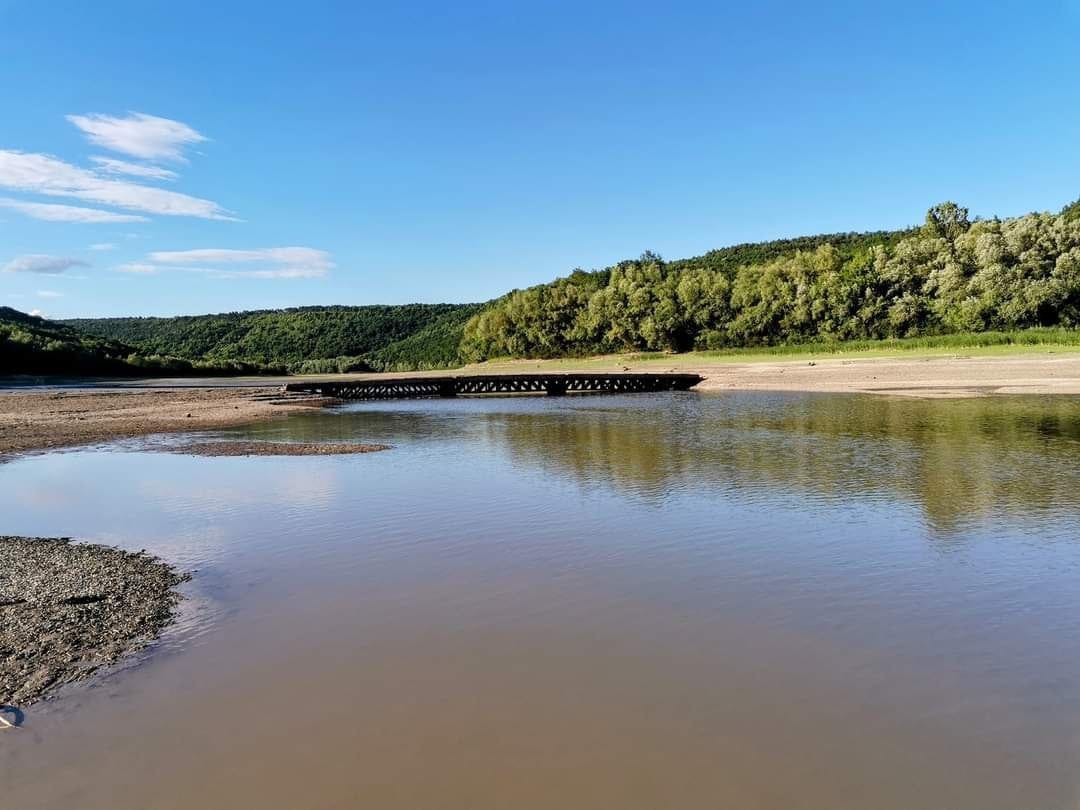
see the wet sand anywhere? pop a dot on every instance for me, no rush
(46, 418)
(66, 610)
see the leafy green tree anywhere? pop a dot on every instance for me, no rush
(947, 220)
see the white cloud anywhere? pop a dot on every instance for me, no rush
(139, 135)
(281, 262)
(43, 174)
(285, 272)
(49, 294)
(102, 246)
(113, 166)
(36, 313)
(43, 264)
(67, 213)
(138, 268)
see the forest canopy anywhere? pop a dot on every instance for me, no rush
(315, 340)
(951, 274)
(36, 346)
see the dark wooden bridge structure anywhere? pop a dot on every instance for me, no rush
(496, 385)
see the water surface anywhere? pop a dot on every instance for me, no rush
(688, 600)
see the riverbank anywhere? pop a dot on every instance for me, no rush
(924, 377)
(41, 419)
(1002, 370)
(67, 609)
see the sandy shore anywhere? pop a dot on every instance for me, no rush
(926, 376)
(42, 419)
(937, 377)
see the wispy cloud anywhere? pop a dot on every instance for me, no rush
(43, 264)
(43, 174)
(36, 313)
(99, 246)
(284, 272)
(138, 134)
(137, 269)
(114, 166)
(279, 262)
(67, 213)
(49, 294)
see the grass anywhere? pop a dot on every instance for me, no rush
(1025, 341)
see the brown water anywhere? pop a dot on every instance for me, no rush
(677, 601)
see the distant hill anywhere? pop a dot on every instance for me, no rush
(382, 338)
(36, 346)
(31, 345)
(303, 339)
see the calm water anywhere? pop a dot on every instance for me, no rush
(677, 601)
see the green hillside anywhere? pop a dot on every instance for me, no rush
(35, 346)
(950, 275)
(304, 339)
(31, 345)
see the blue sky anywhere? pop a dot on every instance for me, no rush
(164, 159)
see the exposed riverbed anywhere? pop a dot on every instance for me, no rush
(66, 610)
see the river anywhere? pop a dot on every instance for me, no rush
(680, 600)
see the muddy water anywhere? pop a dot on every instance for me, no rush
(752, 601)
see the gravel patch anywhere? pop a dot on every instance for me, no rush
(68, 609)
(230, 448)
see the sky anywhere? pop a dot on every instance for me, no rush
(160, 158)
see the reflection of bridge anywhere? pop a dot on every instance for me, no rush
(497, 384)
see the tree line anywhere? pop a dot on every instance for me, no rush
(35, 346)
(950, 275)
(303, 340)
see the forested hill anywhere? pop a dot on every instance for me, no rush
(304, 339)
(950, 275)
(31, 345)
(34, 346)
(382, 338)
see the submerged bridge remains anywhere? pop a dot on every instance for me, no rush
(496, 385)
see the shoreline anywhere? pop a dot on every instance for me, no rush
(930, 376)
(34, 420)
(933, 377)
(39, 419)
